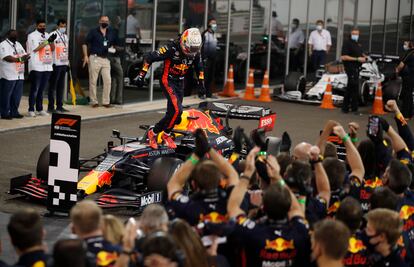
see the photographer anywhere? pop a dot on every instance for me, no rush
(282, 236)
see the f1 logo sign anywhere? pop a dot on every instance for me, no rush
(66, 121)
(268, 122)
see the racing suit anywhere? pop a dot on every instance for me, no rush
(176, 65)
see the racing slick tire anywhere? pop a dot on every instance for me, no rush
(295, 81)
(42, 167)
(161, 172)
(390, 90)
(364, 97)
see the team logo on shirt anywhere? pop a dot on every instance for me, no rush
(334, 207)
(373, 183)
(213, 217)
(406, 212)
(39, 264)
(356, 253)
(355, 245)
(181, 67)
(279, 244)
(104, 258)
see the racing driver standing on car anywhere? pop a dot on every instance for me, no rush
(352, 56)
(178, 56)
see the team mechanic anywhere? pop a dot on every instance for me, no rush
(178, 56)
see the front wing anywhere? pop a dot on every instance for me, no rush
(235, 111)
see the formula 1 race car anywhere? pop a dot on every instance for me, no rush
(378, 69)
(133, 175)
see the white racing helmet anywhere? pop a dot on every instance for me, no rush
(190, 42)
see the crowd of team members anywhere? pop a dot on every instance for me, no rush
(304, 207)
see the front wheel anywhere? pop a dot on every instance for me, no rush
(161, 172)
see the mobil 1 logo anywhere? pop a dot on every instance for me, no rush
(63, 162)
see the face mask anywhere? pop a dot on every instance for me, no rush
(366, 238)
(294, 26)
(13, 38)
(355, 37)
(213, 27)
(62, 30)
(319, 27)
(41, 30)
(406, 48)
(104, 25)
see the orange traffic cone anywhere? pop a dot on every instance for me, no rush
(249, 93)
(264, 93)
(377, 107)
(228, 90)
(327, 97)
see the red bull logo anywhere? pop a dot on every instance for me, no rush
(406, 212)
(203, 121)
(279, 244)
(104, 258)
(39, 264)
(181, 67)
(355, 245)
(373, 183)
(334, 207)
(213, 217)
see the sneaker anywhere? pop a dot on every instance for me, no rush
(202, 96)
(6, 117)
(62, 110)
(42, 113)
(95, 105)
(152, 139)
(18, 116)
(31, 114)
(168, 141)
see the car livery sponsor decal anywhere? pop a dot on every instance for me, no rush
(151, 198)
(267, 122)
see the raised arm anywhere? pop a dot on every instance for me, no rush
(238, 192)
(273, 170)
(398, 143)
(327, 130)
(181, 176)
(321, 178)
(352, 154)
(225, 167)
(402, 125)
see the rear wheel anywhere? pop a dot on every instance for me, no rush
(391, 90)
(364, 96)
(161, 172)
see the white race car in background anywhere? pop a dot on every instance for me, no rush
(298, 90)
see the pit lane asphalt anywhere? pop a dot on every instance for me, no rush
(20, 149)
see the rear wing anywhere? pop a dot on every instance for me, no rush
(265, 115)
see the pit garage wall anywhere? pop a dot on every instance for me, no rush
(384, 24)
